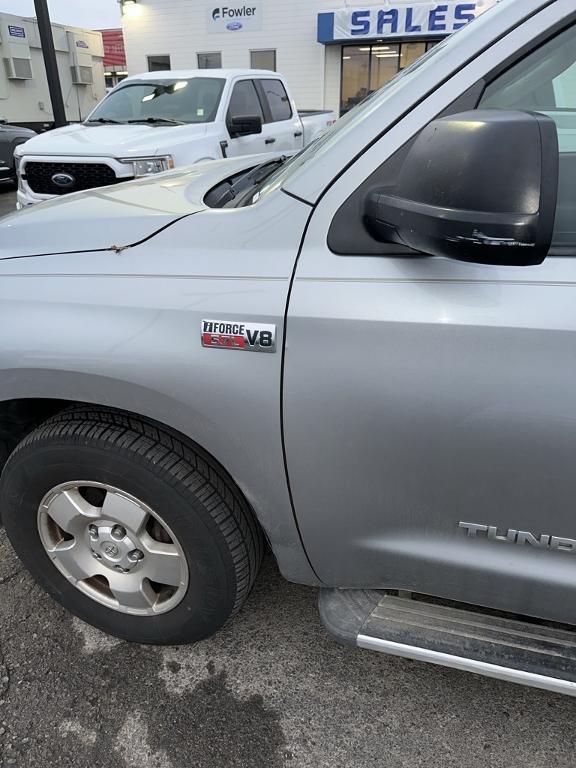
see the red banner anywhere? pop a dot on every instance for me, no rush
(114, 53)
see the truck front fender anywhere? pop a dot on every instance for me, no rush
(270, 501)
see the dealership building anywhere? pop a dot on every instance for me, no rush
(331, 56)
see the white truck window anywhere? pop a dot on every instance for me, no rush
(545, 81)
(244, 101)
(277, 98)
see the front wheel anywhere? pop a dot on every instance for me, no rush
(129, 527)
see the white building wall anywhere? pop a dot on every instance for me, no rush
(332, 77)
(180, 28)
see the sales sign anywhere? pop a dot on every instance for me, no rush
(399, 19)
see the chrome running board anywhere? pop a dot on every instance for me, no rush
(462, 638)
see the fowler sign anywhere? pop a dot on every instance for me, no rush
(235, 17)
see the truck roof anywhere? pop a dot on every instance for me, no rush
(175, 74)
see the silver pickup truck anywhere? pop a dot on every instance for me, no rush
(364, 356)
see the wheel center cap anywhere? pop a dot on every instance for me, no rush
(110, 550)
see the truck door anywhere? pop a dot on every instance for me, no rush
(244, 101)
(423, 394)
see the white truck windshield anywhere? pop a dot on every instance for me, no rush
(193, 100)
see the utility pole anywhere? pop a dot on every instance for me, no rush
(49, 53)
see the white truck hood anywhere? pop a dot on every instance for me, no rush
(111, 140)
(115, 217)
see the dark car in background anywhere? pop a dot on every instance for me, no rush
(10, 137)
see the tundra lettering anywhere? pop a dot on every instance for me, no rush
(512, 536)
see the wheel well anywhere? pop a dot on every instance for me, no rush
(19, 417)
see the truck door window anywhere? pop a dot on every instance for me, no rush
(277, 99)
(244, 101)
(545, 81)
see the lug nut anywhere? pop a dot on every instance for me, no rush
(93, 530)
(96, 556)
(120, 569)
(118, 532)
(135, 556)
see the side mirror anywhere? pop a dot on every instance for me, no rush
(244, 125)
(479, 186)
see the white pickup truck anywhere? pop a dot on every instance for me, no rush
(154, 122)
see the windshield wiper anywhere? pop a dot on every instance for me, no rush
(153, 120)
(248, 181)
(105, 120)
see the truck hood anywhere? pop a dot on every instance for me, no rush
(111, 140)
(113, 218)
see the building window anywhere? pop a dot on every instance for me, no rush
(263, 60)
(410, 52)
(158, 63)
(365, 68)
(210, 60)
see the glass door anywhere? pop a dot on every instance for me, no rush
(365, 68)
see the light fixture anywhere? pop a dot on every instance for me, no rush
(130, 8)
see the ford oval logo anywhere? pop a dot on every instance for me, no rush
(63, 180)
(234, 26)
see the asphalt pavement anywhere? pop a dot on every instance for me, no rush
(271, 690)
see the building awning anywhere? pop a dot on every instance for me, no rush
(398, 19)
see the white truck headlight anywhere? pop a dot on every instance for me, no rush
(147, 166)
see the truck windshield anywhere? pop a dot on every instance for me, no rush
(193, 100)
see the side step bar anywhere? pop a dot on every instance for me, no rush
(528, 653)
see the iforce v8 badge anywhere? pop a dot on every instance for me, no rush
(246, 337)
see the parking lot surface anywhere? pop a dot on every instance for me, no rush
(269, 690)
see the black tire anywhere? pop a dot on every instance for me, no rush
(214, 525)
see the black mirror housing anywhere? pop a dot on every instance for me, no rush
(244, 125)
(479, 186)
